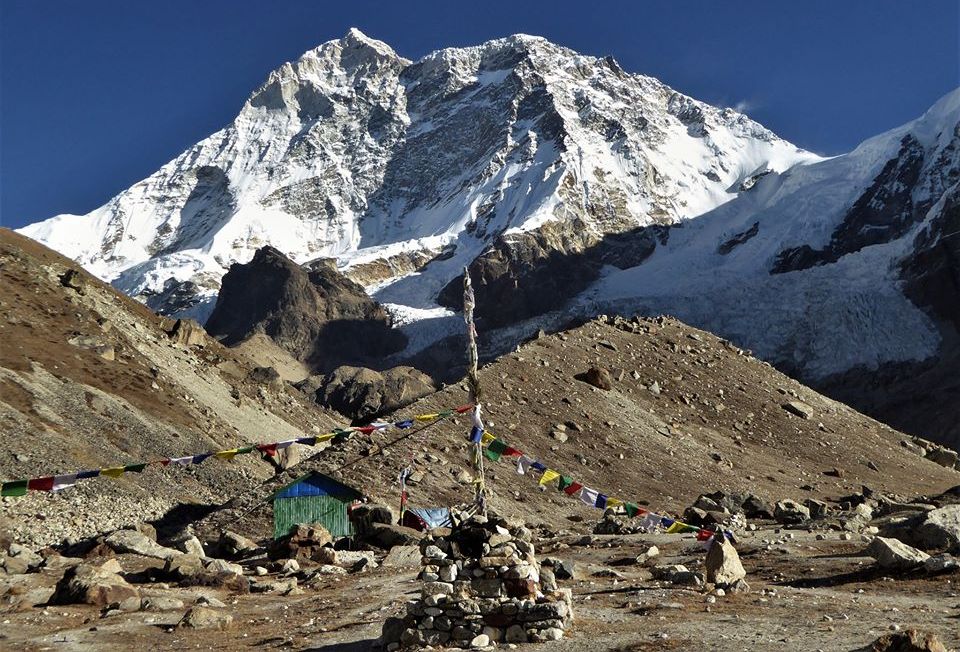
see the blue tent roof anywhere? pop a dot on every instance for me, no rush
(317, 484)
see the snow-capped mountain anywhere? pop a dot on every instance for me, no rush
(356, 153)
(568, 186)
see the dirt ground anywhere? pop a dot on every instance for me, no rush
(806, 594)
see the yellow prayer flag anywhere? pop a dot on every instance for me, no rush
(426, 417)
(486, 438)
(614, 502)
(679, 527)
(227, 455)
(549, 476)
(114, 472)
(326, 437)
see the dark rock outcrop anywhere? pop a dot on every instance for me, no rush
(361, 393)
(317, 314)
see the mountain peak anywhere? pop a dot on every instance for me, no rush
(355, 38)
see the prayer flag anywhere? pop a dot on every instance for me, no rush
(523, 465)
(632, 510)
(564, 482)
(365, 429)
(112, 472)
(287, 443)
(197, 459)
(486, 438)
(64, 481)
(601, 501)
(491, 455)
(614, 502)
(497, 446)
(308, 441)
(666, 522)
(476, 434)
(14, 488)
(92, 473)
(182, 461)
(549, 476)
(426, 417)
(134, 468)
(463, 408)
(589, 496)
(573, 488)
(326, 437)
(227, 455)
(537, 466)
(705, 535)
(650, 521)
(445, 413)
(512, 452)
(404, 424)
(268, 449)
(679, 528)
(40, 484)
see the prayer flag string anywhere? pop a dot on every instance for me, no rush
(63, 481)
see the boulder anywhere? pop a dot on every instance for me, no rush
(799, 408)
(387, 536)
(192, 546)
(941, 563)
(723, 564)
(790, 512)
(940, 529)
(303, 542)
(910, 640)
(894, 554)
(236, 545)
(942, 456)
(402, 557)
(205, 618)
(223, 566)
(137, 543)
(599, 378)
(98, 584)
(183, 567)
(187, 332)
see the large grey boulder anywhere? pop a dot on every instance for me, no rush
(723, 563)
(138, 543)
(790, 511)
(99, 584)
(940, 529)
(894, 554)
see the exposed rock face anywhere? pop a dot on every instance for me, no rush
(362, 393)
(908, 641)
(940, 529)
(314, 312)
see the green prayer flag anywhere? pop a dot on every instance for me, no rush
(491, 455)
(245, 450)
(445, 413)
(631, 509)
(15, 488)
(498, 447)
(565, 481)
(134, 468)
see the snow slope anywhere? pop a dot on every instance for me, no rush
(356, 153)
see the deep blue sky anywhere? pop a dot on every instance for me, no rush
(95, 95)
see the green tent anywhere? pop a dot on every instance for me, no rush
(314, 498)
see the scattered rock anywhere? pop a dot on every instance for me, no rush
(205, 618)
(790, 512)
(235, 545)
(940, 529)
(909, 641)
(599, 378)
(799, 408)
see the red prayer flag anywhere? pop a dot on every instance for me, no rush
(41, 484)
(512, 452)
(573, 488)
(463, 408)
(268, 449)
(365, 429)
(704, 535)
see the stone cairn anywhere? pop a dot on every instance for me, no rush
(482, 585)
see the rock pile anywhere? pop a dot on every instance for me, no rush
(481, 585)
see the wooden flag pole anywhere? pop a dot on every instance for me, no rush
(473, 382)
